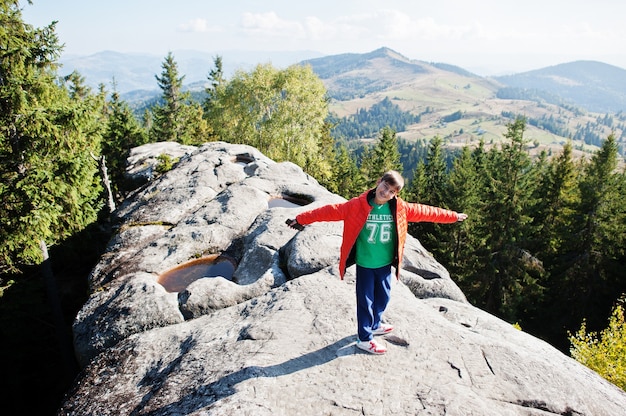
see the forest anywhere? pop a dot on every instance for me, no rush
(544, 246)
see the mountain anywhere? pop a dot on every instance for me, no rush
(129, 71)
(349, 76)
(464, 108)
(568, 101)
(592, 85)
(134, 71)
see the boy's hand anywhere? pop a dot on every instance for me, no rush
(460, 216)
(294, 224)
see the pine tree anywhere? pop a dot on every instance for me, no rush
(512, 272)
(554, 216)
(417, 188)
(123, 132)
(382, 157)
(347, 177)
(177, 119)
(594, 277)
(431, 192)
(49, 184)
(217, 82)
(464, 241)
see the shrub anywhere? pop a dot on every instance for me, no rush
(605, 353)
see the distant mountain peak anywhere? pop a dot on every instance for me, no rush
(596, 86)
(386, 52)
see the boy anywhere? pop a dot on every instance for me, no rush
(374, 234)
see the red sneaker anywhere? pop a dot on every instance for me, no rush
(382, 329)
(372, 347)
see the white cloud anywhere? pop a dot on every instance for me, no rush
(198, 25)
(269, 24)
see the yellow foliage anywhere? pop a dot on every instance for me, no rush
(605, 353)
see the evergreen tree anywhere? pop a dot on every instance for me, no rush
(417, 188)
(463, 195)
(49, 185)
(411, 153)
(554, 216)
(558, 198)
(512, 273)
(382, 157)
(594, 277)
(178, 119)
(123, 132)
(347, 177)
(436, 174)
(216, 81)
(431, 192)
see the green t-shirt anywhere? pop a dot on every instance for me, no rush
(376, 241)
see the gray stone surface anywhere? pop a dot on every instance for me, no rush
(279, 338)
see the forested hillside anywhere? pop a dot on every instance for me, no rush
(357, 84)
(544, 245)
(463, 108)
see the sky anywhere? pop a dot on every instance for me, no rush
(488, 37)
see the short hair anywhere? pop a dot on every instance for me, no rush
(393, 178)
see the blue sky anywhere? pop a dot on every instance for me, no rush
(487, 36)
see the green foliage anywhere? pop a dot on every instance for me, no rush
(604, 352)
(178, 119)
(165, 164)
(428, 187)
(457, 115)
(461, 243)
(216, 78)
(512, 273)
(49, 185)
(347, 180)
(590, 271)
(542, 234)
(280, 112)
(123, 132)
(321, 165)
(382, 157)
(367, 123)
(411, 153)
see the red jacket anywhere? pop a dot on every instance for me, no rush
(354, 213)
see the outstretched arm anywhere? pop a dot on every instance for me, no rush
(429, 213)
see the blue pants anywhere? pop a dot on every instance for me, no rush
(373, 289)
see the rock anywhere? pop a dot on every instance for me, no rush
(277, 337)
(216, 201)
(136, 305)
(143, 160)
(291, 351)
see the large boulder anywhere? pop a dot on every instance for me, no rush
(291, 351)
(217, 200)
(276, 336)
